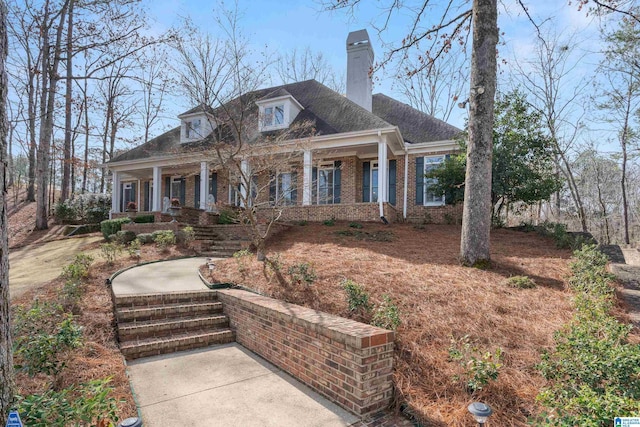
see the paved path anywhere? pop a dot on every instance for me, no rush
(217, 386)
(34, 265)
(165, 276)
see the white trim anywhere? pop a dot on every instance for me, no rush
(115, 192)
(307, 171)
(157, 189)
(406, 185)
(429, 147)
(279, 98)
(204, 184)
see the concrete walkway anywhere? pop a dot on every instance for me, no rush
(217, 386)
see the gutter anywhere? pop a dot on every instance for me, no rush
(406, 183)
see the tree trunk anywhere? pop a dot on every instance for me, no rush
(66, 169)
(6, 356)
(476, 218)
(32, 107)
(85, 109)
(46, 133)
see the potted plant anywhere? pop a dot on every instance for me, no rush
(132, 207)
(174, 208)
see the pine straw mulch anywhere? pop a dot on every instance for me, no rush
(438, 300)
(99, 357)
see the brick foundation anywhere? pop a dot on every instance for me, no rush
(340, 212)
(346, 361)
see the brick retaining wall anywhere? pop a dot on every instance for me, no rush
(348, 362)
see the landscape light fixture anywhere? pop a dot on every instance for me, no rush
(480, 412)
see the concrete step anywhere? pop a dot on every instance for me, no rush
(167, 327)
(218, 253)
(149, 300)
(167, 311)
(178, 342)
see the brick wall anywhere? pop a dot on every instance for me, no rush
(341, 212)
(348, 362)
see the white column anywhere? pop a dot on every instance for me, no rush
(245, 181)
(307, 177)
(204, 184)
(157, 189)
(115, 192)
(139, 197)
(383, 173)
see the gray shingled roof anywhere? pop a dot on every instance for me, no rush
(414, 125)
(327, 111)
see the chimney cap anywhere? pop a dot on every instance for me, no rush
(358, 37)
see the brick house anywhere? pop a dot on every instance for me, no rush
(362, 157)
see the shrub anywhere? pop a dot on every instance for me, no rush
(448, 218)
(88, 404)
(302, 273)
(520, 282)
(110, 251)
(479, 367)
(355, 225)
(145, 238)
(164, 239)
(125, 236)
(134, 248)
(240, 257)
(144, 219)
(79, 269)
(112, 226)
(186, 236)
(589, 272)
(42, 334)
(386, 315)
(357, 296)
(302, 223)
(227, 216)
(65, 213)
(330, 222)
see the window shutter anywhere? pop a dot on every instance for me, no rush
(167, 187)
(366, 182)
(196, 199)
(123, 202)
(392, 182)
(419, 180)
(294, 190)
(146, 196)
(273, 182)
(183, 191)
(213, 185)
(134, 193)
(337, 181)
(314, 186)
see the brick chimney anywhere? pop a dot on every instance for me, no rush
(359, 63)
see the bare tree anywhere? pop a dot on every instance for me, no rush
(219, 77)
(154, 81)
(6, 356)
(298, 66)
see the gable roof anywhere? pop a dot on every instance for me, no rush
(328, 111)
(415, 126)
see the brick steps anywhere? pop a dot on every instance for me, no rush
(152, 324)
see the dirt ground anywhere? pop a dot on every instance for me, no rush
(33, 265)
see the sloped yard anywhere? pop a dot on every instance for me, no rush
(440, 303)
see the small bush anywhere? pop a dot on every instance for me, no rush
(355, 225)
(110, 251)
(520, 282)
(302, 223)
(144, 219)
(134, 248)
(88, 404)
(386, 315)
(227, 216)
(357, 296)
(186, 236)
(65, 213)
(42, 334)
(164, 239)
(78, 270)
(302, 273)
(240, 257)
(125, 236)
(448, 218)
(330, 222)
(145, 238)
(479, 367)
(112, 226)
(589, 272)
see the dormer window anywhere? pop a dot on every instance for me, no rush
(277, 110)
(273, 116)
(193, 129)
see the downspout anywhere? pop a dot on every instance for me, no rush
(406, 180)
(380, 190)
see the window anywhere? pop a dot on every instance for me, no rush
(192, 129)
(373, 196)
(326, 183)
(283, 189)
(431, 198)
(273, 116)
(176, 186)
(235, 193)
(128, 195)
